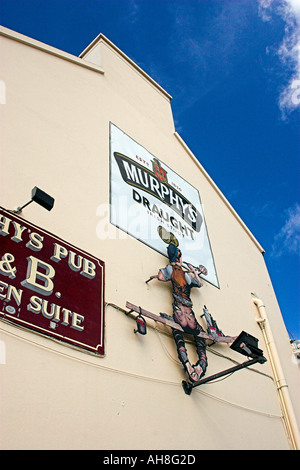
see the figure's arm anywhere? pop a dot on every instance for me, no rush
(194, 272)
(160, 276)
(163, 275)
(153, 277)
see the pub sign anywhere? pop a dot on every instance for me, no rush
(148, 197)
(50, 286)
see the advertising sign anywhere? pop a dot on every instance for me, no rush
(50, 286)
(148, 199)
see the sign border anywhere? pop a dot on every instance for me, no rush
(52, 335)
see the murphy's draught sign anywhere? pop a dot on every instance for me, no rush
(50, 286)
(146, 197)
(155, 183)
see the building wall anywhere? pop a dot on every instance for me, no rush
(55, 134)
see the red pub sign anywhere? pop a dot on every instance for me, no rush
(50, 286)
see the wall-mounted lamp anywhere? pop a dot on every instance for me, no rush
(41, 198)
(247, 345)
(141, 325)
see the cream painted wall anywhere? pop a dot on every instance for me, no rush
(55, 134)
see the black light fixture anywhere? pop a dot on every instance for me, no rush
(41, 198)
(247, 345)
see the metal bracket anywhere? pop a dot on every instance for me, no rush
(187, 386)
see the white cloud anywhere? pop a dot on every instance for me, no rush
(134, 10)
(264, 9)
(289, 50)
(289, 53)
(264, 210)
(288, 238)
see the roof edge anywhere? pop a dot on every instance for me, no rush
(102, 38)
(10, 34)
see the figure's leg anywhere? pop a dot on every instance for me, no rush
(182, 354)
(201, 365)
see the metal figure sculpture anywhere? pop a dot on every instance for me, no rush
(183, 281)
(184, 321)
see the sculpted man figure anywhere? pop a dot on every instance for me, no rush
(182, 283)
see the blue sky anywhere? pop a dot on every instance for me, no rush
(233, 69)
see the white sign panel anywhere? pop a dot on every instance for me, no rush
(152, 203)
